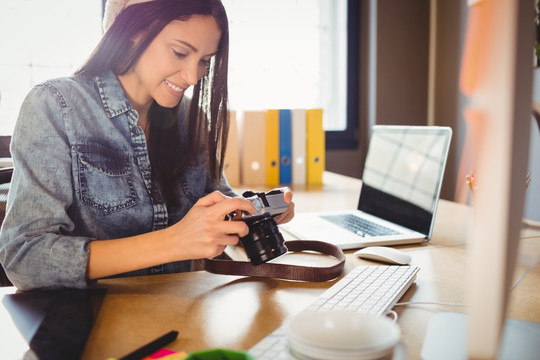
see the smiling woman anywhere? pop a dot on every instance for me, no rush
(117, 171)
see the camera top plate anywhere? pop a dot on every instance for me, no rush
(271, 202)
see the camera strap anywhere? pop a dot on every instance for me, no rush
(285, 271)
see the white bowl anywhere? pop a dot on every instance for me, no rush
(341, 335)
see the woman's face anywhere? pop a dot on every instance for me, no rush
(176, 59)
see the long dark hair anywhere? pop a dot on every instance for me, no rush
(207, 125)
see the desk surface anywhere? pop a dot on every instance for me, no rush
(220, 311)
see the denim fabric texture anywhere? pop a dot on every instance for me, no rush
(82, 173)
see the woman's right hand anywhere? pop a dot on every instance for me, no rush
(204, 232)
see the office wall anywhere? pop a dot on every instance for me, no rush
(449, 26)
(394, 62)
(402, 62)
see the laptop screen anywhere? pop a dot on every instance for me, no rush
(403, 174)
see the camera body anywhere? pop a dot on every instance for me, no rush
(264, 241)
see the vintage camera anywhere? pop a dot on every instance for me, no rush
(264, 241)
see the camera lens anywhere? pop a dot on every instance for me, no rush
(264, 241)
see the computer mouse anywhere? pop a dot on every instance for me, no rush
(384, 254)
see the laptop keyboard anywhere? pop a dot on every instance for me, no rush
(366, 289)
(359, 225)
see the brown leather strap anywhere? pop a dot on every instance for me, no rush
(284, 271)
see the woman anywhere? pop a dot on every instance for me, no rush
(116, 170)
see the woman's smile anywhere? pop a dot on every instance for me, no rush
(175, 89)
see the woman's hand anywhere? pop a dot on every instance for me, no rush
(204, 232)
(289, 213)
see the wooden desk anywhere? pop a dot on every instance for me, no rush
(219, 311)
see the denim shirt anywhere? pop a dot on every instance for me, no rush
(82, 173)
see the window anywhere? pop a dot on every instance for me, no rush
(41, 40)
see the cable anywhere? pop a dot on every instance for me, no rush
(394, 315)
(406, 303)
(531, 224)
(521, 277)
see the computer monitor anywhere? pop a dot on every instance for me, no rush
(502, 103)
(497, 77)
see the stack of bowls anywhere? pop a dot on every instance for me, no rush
(341, 335)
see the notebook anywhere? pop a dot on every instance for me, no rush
(401, 184)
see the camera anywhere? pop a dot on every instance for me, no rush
(264, 241)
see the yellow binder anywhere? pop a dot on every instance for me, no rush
(272, 147)
(315, 146)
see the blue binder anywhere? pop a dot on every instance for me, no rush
(285, 147)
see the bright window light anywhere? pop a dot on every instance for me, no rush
(41, 40)
(289, 54)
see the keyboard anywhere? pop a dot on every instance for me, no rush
(366, 289)
(359, 226)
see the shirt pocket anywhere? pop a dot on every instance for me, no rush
(105, 177)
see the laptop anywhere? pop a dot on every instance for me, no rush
(401, 184)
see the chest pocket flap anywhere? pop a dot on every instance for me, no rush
(105, 177)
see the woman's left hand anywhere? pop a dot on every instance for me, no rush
(289, 213)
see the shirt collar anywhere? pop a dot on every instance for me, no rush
(112, 94)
